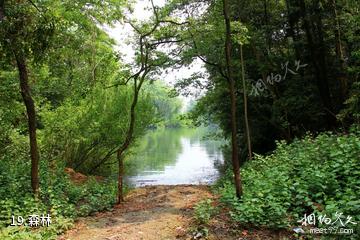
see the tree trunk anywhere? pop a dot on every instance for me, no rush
(120, 158)
(235, 156)
(342, 76)
(128, 139)
(247, 128)
(317, 51)
(30, 109)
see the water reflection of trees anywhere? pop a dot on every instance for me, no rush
(214, 146)
(160, 148)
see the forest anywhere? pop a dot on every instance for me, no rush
(179, 119)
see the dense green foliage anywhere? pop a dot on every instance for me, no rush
(61, 198)
(89, 131)
(82, 112)
(312, 45)
(78, 102)
(167, 107)
(313, 175)
(301, 63)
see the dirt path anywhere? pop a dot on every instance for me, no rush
(154, 212)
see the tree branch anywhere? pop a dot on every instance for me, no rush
(205, 60)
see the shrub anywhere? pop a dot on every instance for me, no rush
(318, 175)
(203, 211)
(59, 197)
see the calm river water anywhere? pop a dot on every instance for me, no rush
(174, 156)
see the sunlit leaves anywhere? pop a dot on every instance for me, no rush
(240, 33)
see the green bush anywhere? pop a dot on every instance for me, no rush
(59, 197)
(318, 175)
(203, 211)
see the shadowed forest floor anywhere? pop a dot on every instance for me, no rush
(158, 212)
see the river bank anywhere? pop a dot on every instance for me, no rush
(159, 213)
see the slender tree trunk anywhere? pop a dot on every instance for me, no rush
(342, 76)
(247, 128)
(30, 109)
(317, 51)
(235, 155)
(120, 158)
(128, 139)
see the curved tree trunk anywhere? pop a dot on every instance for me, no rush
(247, 127)
(30, 109)
(234, 147)
(129, 135)
(126, 144)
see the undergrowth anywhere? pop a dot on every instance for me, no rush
(319, 175)
(62, 199)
